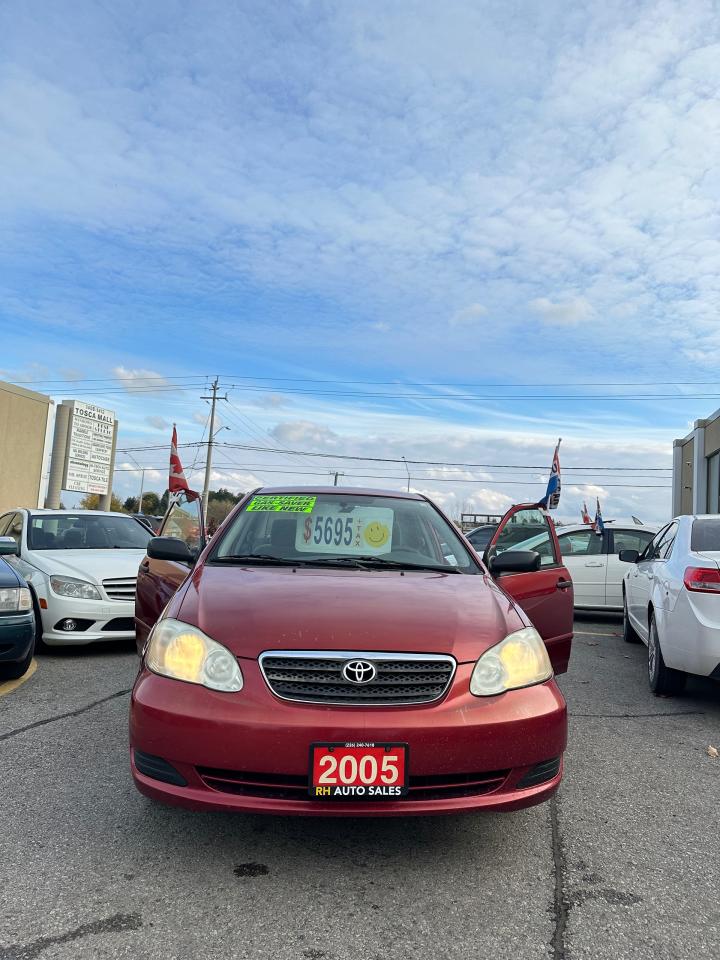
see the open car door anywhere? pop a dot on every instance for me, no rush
(159, 579)
(546, 594)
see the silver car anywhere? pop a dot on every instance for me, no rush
(81, 566)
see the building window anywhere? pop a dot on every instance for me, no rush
(713, 494)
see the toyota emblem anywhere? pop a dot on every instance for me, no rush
(359, 671)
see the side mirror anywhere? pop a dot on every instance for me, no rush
(8, 547)
(629, 556)
(515, 561)
(170, 548)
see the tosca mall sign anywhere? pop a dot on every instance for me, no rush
(89, 451)
(83, 452)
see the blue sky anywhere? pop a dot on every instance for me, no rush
(457, 193)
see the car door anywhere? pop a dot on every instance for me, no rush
(642, 577)
(584, 554)
(159, 579)
(621, 539)
(546, 595)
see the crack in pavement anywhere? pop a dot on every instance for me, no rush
(117, 923)
(561, 904)
(62, 716)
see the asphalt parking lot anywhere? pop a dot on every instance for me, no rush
(622, 863)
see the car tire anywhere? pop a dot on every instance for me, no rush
(40, 645)
(13, 671)
(629, 633)
(664, 682)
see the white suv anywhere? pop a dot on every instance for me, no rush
(81, 566)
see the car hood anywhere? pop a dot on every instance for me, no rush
(92, 565)
(254, 609)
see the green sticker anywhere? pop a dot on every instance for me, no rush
(282, 504)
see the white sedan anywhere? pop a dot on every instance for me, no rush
(81, 567)
(671, 601)
(592, 559)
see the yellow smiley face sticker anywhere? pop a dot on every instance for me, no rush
(376, 534)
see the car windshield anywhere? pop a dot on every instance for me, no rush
(77, 531)
(705, 535)
(349, 529)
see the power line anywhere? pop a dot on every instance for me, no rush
(400, 460)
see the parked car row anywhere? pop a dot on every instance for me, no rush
(358, 628)
(592, 559)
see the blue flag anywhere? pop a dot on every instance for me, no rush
(552, 494)
(598, 525)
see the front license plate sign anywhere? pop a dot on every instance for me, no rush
(358, 770)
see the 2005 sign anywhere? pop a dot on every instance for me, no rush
(352, 770)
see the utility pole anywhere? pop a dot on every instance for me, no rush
(337, 474)
(408, 473)
(142, 482)
(211, 439)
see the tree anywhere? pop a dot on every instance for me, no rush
(151, 504)
(91, 501)
(130, 505)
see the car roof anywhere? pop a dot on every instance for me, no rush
(355, 491)
(43, 511)
(609, 525)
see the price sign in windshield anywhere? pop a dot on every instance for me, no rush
(361, 531)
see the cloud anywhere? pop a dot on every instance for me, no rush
(304, 433)
(565, 313)
(271, 401)
(157, 423)
(468, 315)
(140, 380)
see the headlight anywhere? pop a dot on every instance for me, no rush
(77, 589)
(15, 600)
(519, 660)
(182, 652)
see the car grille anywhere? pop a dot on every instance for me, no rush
(401, 678)
(121, 589)
(274, 786)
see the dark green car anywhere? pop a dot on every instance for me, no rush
(17, 621)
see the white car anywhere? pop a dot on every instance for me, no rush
(671, 595)
(592, 559)
(81, 566)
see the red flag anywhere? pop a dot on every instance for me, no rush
(177, 482)
(586, 518)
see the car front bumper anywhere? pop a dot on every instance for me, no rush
(17, 634)
(248, 751)
(97, 620)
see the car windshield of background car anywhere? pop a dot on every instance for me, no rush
(326, 527)
(705, 535)
(69, 531)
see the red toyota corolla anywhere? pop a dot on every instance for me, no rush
(344, 652)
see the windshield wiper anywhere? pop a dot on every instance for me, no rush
(240, 558)
(376, 562)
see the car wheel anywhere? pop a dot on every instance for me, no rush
(629, 633)
(13, 671)
(664, 682)
(40, 646)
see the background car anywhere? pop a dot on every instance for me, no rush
(480, 537)
(151, 522)
(81, 567)
(17, 622)
(331, 634)
(593, 562)
(671, 601)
